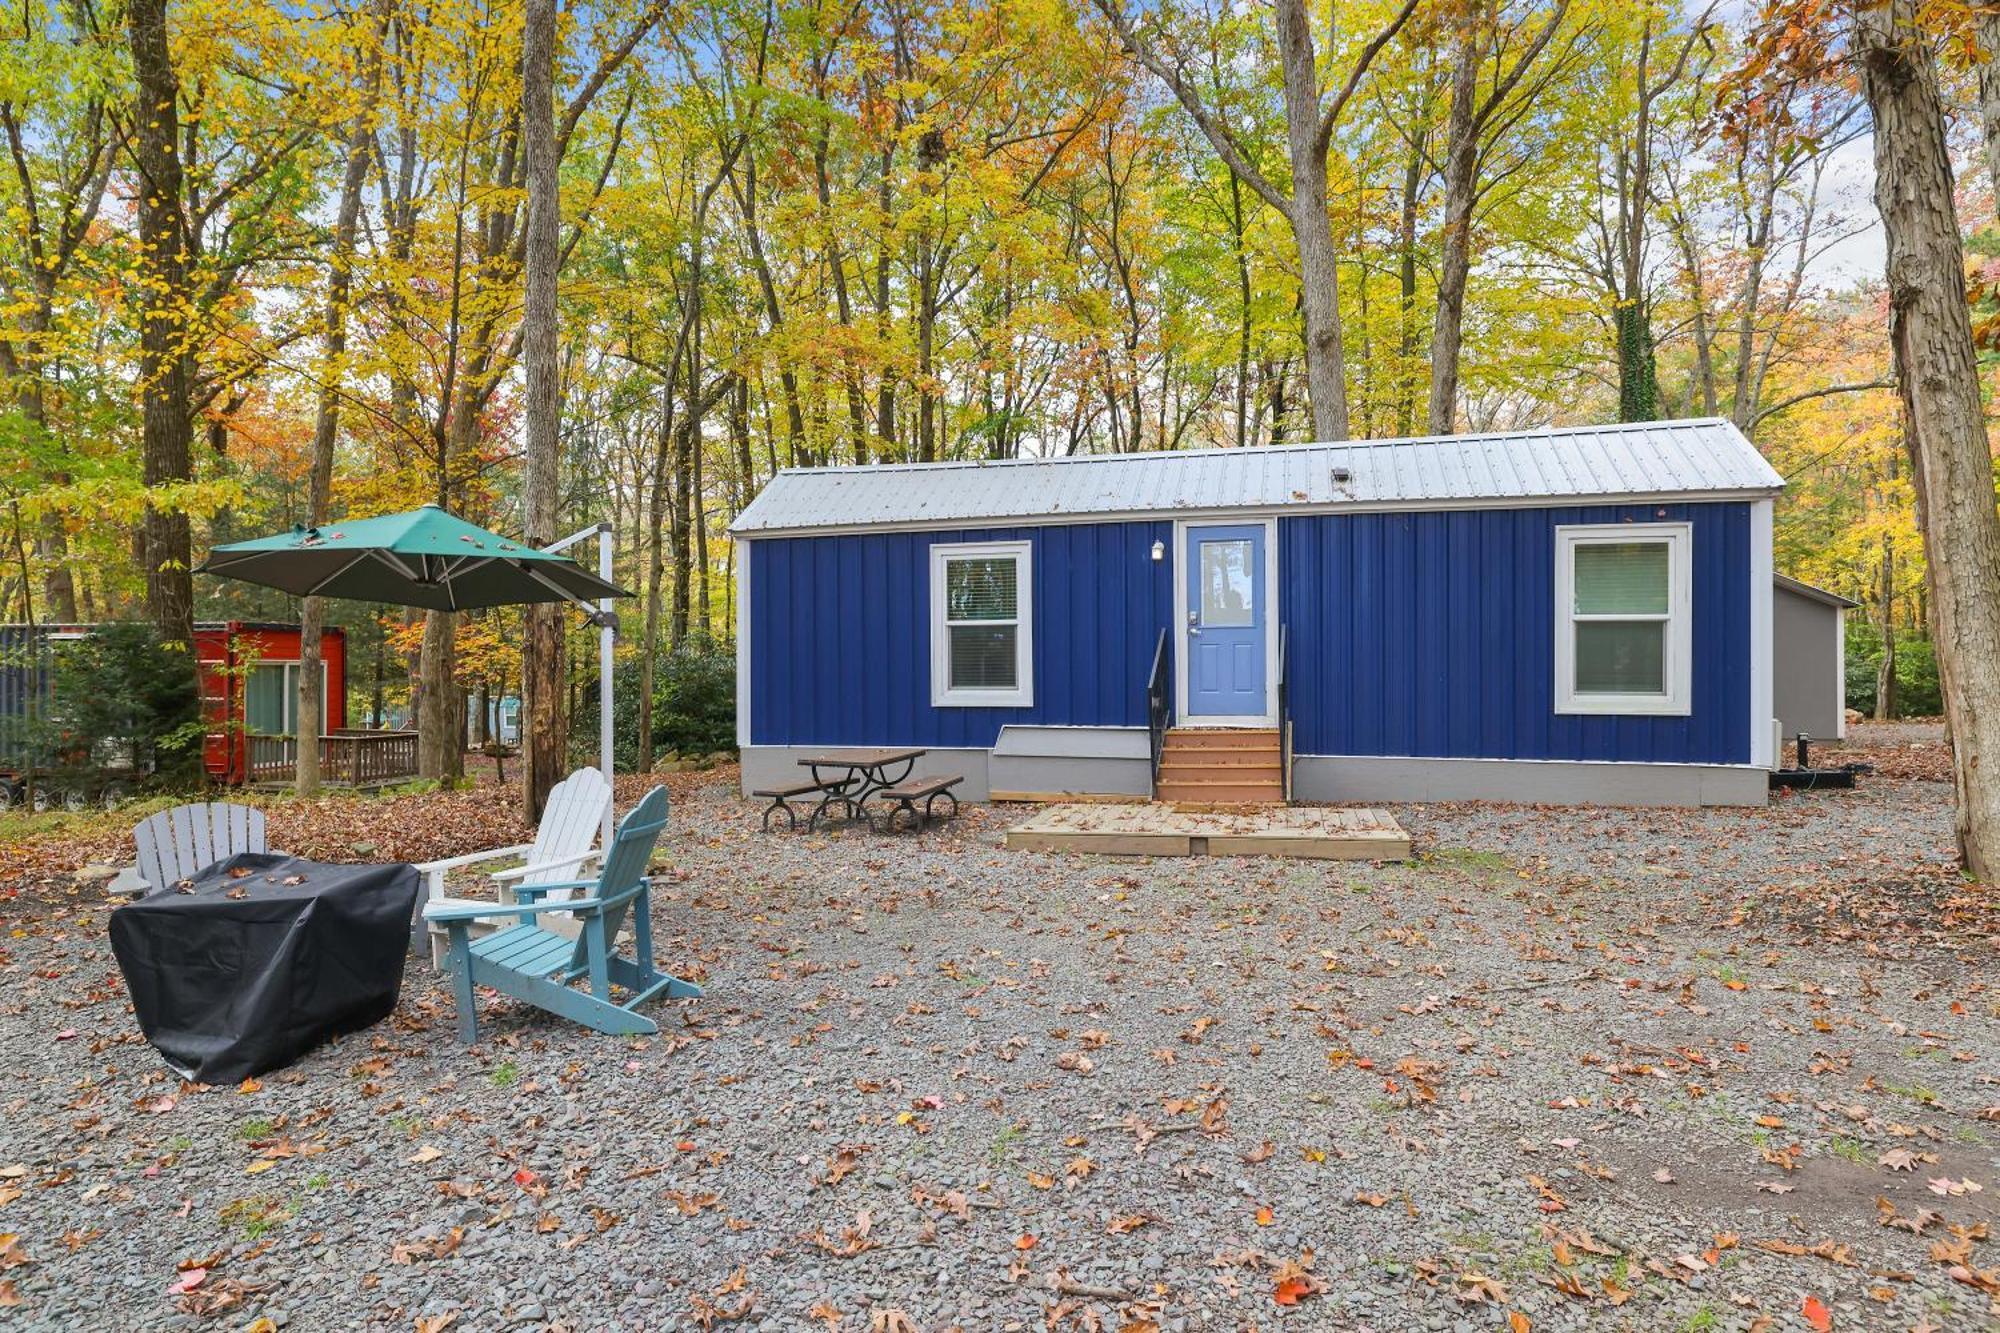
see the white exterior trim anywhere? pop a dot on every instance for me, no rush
(1023, 694)
(1840, 667)
(1677, 700)
(1269, 717)
(1763, 690)
(742, 642)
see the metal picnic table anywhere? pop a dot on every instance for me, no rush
(862, 773)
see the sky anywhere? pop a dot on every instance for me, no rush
(1850, 184)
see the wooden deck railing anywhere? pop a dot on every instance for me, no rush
(346, 758)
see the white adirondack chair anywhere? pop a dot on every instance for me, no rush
(180, 843)
(562, 846)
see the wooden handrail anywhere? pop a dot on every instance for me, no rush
(348, 757)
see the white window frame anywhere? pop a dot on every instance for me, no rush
(291, 666)
(1675, 700)
(1023, 693)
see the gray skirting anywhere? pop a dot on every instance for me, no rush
(1339, 778)
(1556, 782)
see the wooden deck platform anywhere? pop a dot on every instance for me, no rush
(1165, 830)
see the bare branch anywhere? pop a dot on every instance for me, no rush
(1217, 133)
(1798, 398)
(1361, 64)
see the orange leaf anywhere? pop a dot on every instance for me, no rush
(1025, 1242)
(1290, 1290)
(1518, 1322)
(1817, 1314)
(1265, 1216)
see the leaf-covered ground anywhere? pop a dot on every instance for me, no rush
(1571, 1068)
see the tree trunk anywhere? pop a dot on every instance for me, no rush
(1461, 172)
(1937, 375)
(165, 358)
(437, 728)
(885, 391)
(1237, 224)
(544, 729)
(656, 551)
(1988, 21)
(1319, 261)
(1885, 670)
(677, 626)
(326, 422)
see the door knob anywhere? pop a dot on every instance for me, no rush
(1194, 622)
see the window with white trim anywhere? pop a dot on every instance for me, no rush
(982, 628)
(1623, 619)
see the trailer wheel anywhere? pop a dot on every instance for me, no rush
(9, 793)
(44, 799)
(75, 800)
(114, 795)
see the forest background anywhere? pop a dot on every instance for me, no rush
(261, 265)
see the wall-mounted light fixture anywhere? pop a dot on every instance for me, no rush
(1341, 476)
(1159, 550)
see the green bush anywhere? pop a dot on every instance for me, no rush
(120, 700)
(1917, 692)
(694, 704)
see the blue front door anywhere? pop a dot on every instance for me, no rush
(1227, 618)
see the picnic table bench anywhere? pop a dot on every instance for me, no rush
(848, 779)
(780, 799)
(903, 797)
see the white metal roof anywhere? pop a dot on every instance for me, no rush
(1649, 460)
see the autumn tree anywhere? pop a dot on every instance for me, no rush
(1311, 111)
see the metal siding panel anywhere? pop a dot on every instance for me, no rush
(1071, 643)
(1369, 637)
(1422, 634)
(904, 681)
(1431, 609)
(1434, 634)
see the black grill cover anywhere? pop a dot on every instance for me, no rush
(230, 986)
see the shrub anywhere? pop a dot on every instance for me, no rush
(122, 700)
(1917, 692)
(694, 704)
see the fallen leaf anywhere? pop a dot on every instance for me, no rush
(1816, 1313)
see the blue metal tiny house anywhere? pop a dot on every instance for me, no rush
(1579, 614)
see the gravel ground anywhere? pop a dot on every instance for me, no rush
(1568, 1069)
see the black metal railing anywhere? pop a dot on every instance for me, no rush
(1284, 716)
(1158, 711)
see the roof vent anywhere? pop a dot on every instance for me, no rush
(1341, 476)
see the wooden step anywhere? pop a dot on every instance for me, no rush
(1223, 793)
(1189, 771)
(1218, 738)
(1220, 758)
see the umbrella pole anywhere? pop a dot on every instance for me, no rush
(606, 639)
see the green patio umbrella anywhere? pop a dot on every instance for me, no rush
(423, 558)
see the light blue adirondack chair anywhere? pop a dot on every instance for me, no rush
(538, 966)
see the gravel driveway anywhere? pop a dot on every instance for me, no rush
(1570, 1068)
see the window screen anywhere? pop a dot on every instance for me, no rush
(1624, 641)
(1622, 578)
(982, 623)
